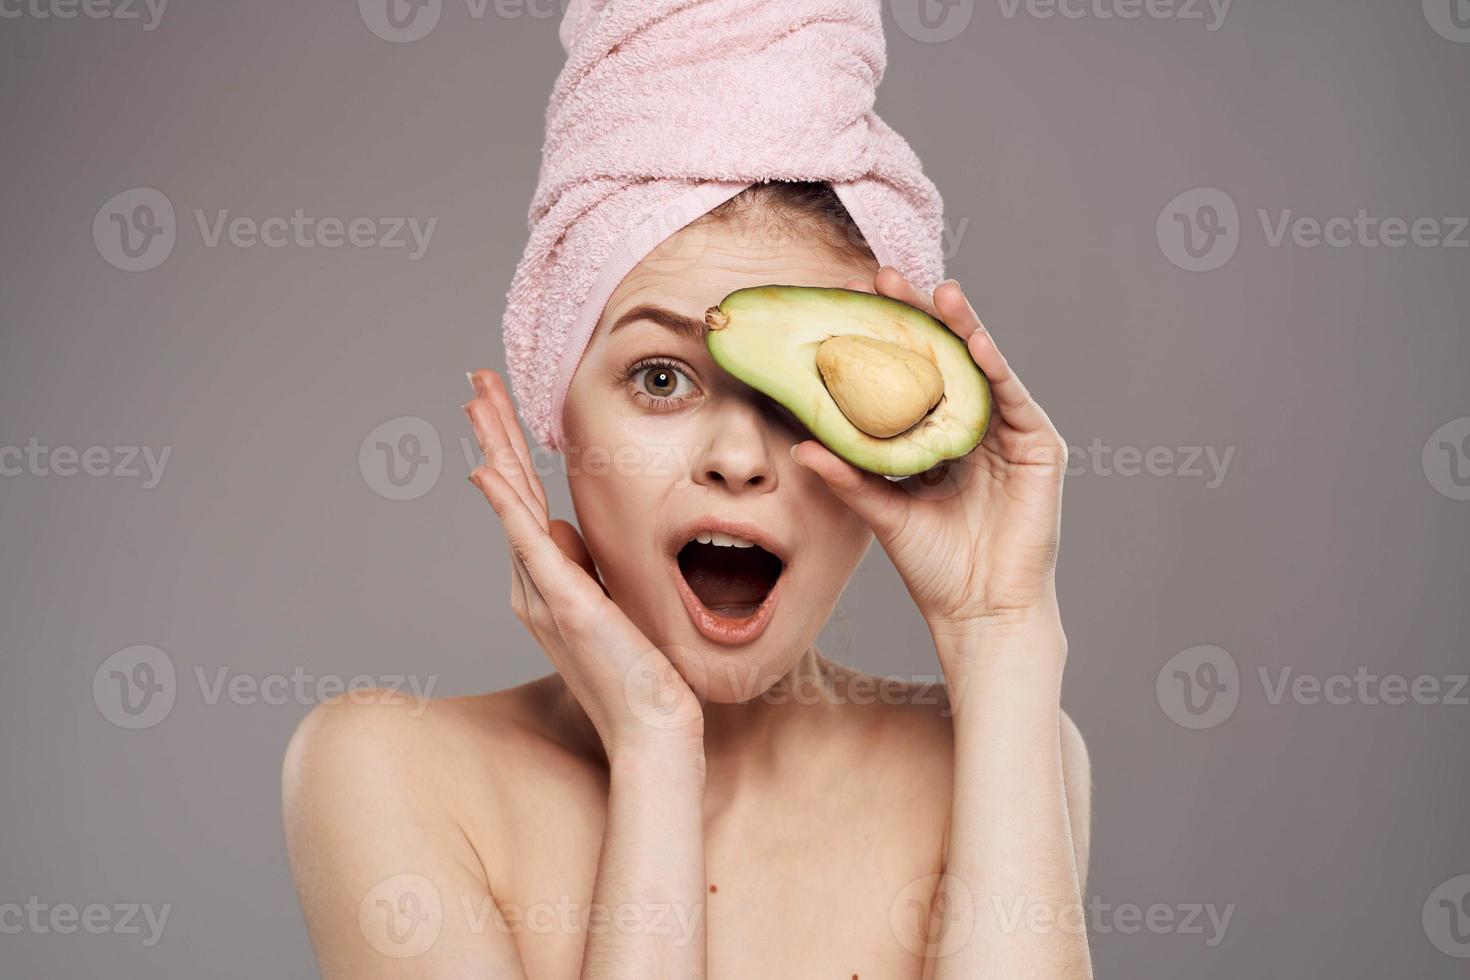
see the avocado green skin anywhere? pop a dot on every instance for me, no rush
(769, 342)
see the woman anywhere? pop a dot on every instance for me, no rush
(764, 821)
(696, 790)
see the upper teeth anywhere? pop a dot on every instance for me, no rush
(723, 540)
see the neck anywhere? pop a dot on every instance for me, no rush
(757, 738)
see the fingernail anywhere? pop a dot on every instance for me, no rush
(793, 450)
(471, 379)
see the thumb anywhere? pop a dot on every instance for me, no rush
(869, 495)
(569, 539)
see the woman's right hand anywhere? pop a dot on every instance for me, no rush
(631, 692)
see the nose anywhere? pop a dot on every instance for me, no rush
(737, 451)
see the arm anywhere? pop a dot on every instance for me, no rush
(388, 880)
(1018, 835)
(977, 550)
(651, 868)
(651, 873)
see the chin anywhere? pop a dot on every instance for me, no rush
(720, 675)
(723, 672)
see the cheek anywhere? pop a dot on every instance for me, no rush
(616, 510)
(831, 521)
(645, 451)
(838, 535)
(619, 494)
(851, 538)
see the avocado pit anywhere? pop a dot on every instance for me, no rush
(882, 388)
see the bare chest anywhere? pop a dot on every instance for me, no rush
(795, 889)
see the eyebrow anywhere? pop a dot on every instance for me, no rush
(685, 326)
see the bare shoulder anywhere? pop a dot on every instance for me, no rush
(1075, 758)
(903, 722)
(377, 733)
(910, 723)
(384, 792)
(461, 752)
(920, 711)
(1077, 775)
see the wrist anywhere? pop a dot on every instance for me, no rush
(1035, 627)
(1044, 614)
(657, 760)
(1015, 654)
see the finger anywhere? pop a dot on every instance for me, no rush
(955, 310)
(489, 384)
(876, 500)
(1014, 402)
(890, 282)
(530, 542)
(570, 540)
(520, 587)
(495, 445)
(538, 616)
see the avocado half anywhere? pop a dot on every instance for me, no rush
(769, 337)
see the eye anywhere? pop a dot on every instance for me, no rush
(660, 384)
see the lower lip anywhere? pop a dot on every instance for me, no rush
(724, 629)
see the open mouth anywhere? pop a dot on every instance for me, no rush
(730, 580)
(729, 585)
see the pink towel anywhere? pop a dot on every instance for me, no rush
(667, 108)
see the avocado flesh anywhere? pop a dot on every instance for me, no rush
(767, 337)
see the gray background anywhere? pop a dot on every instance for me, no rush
(1057, 143)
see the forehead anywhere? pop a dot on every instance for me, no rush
(703, 262)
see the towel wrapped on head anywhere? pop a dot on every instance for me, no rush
(668, 108)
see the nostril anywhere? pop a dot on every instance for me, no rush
(754, 480)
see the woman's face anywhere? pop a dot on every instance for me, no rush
(659, 438)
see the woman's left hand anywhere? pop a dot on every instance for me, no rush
(974, 539)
